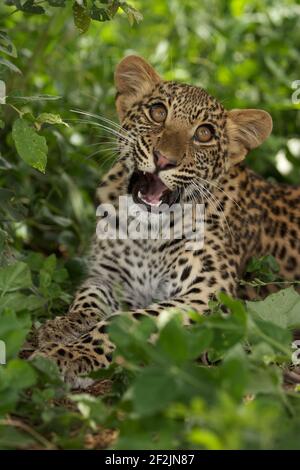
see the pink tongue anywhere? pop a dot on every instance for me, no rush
(154, 191)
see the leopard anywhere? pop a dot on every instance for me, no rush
(176, 145)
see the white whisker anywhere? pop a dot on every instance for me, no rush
(220, 189)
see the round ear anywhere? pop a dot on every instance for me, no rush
(247, 129)
(134, 77)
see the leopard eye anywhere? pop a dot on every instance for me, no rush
(204, 133)
(158, 112)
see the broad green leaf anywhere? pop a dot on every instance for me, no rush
(173, 341)
(31, 147)
(14, 276)
(13, 330)
(233, 372)
(228, 328)
(199, 339)
(132, 338)
(281, 308)
(48, 369)
(153, 390)
(35, 261)
(17, 301)
(265, 380)
(21, 374)
(279, 338)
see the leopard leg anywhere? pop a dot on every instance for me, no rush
(90, 351)
(93, 302)
(93, 350)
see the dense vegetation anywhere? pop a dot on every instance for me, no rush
(57, 56)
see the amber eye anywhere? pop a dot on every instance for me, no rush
(158, 112)
(204, 133)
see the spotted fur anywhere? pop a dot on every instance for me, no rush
(245, 216)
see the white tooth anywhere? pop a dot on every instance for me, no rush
(140, 195)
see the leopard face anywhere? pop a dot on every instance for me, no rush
(178, 138)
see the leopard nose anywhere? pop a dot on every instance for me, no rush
(162, 162)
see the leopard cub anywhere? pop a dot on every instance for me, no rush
(177, 145)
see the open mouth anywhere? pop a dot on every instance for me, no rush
(148, 189)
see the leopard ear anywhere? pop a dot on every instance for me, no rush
(246, 129)
(134, 77)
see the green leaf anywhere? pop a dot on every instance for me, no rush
(90, 407)
(153, 390)
(102, 13)
(173, 341)
(47, 369)
(20, 374)
(29, 7)
(81, 18)
(281, 308)
(31, 147)
(263, 264)
(13, 97)
(132, 338)
(13, 330)
(11, 438)
(49, 264)
(15, 276)
(199, 339)
(17, 302)
(264, 268)
(9, 65)
(279, 338)
(133, 15)
(228, 328)
(265, 380)
(48, 118)
(234, 372)
(6, 45)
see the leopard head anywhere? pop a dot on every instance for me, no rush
(177, 137)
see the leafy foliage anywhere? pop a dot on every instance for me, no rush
(56, 56)
(83, 10)
(161, 397)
